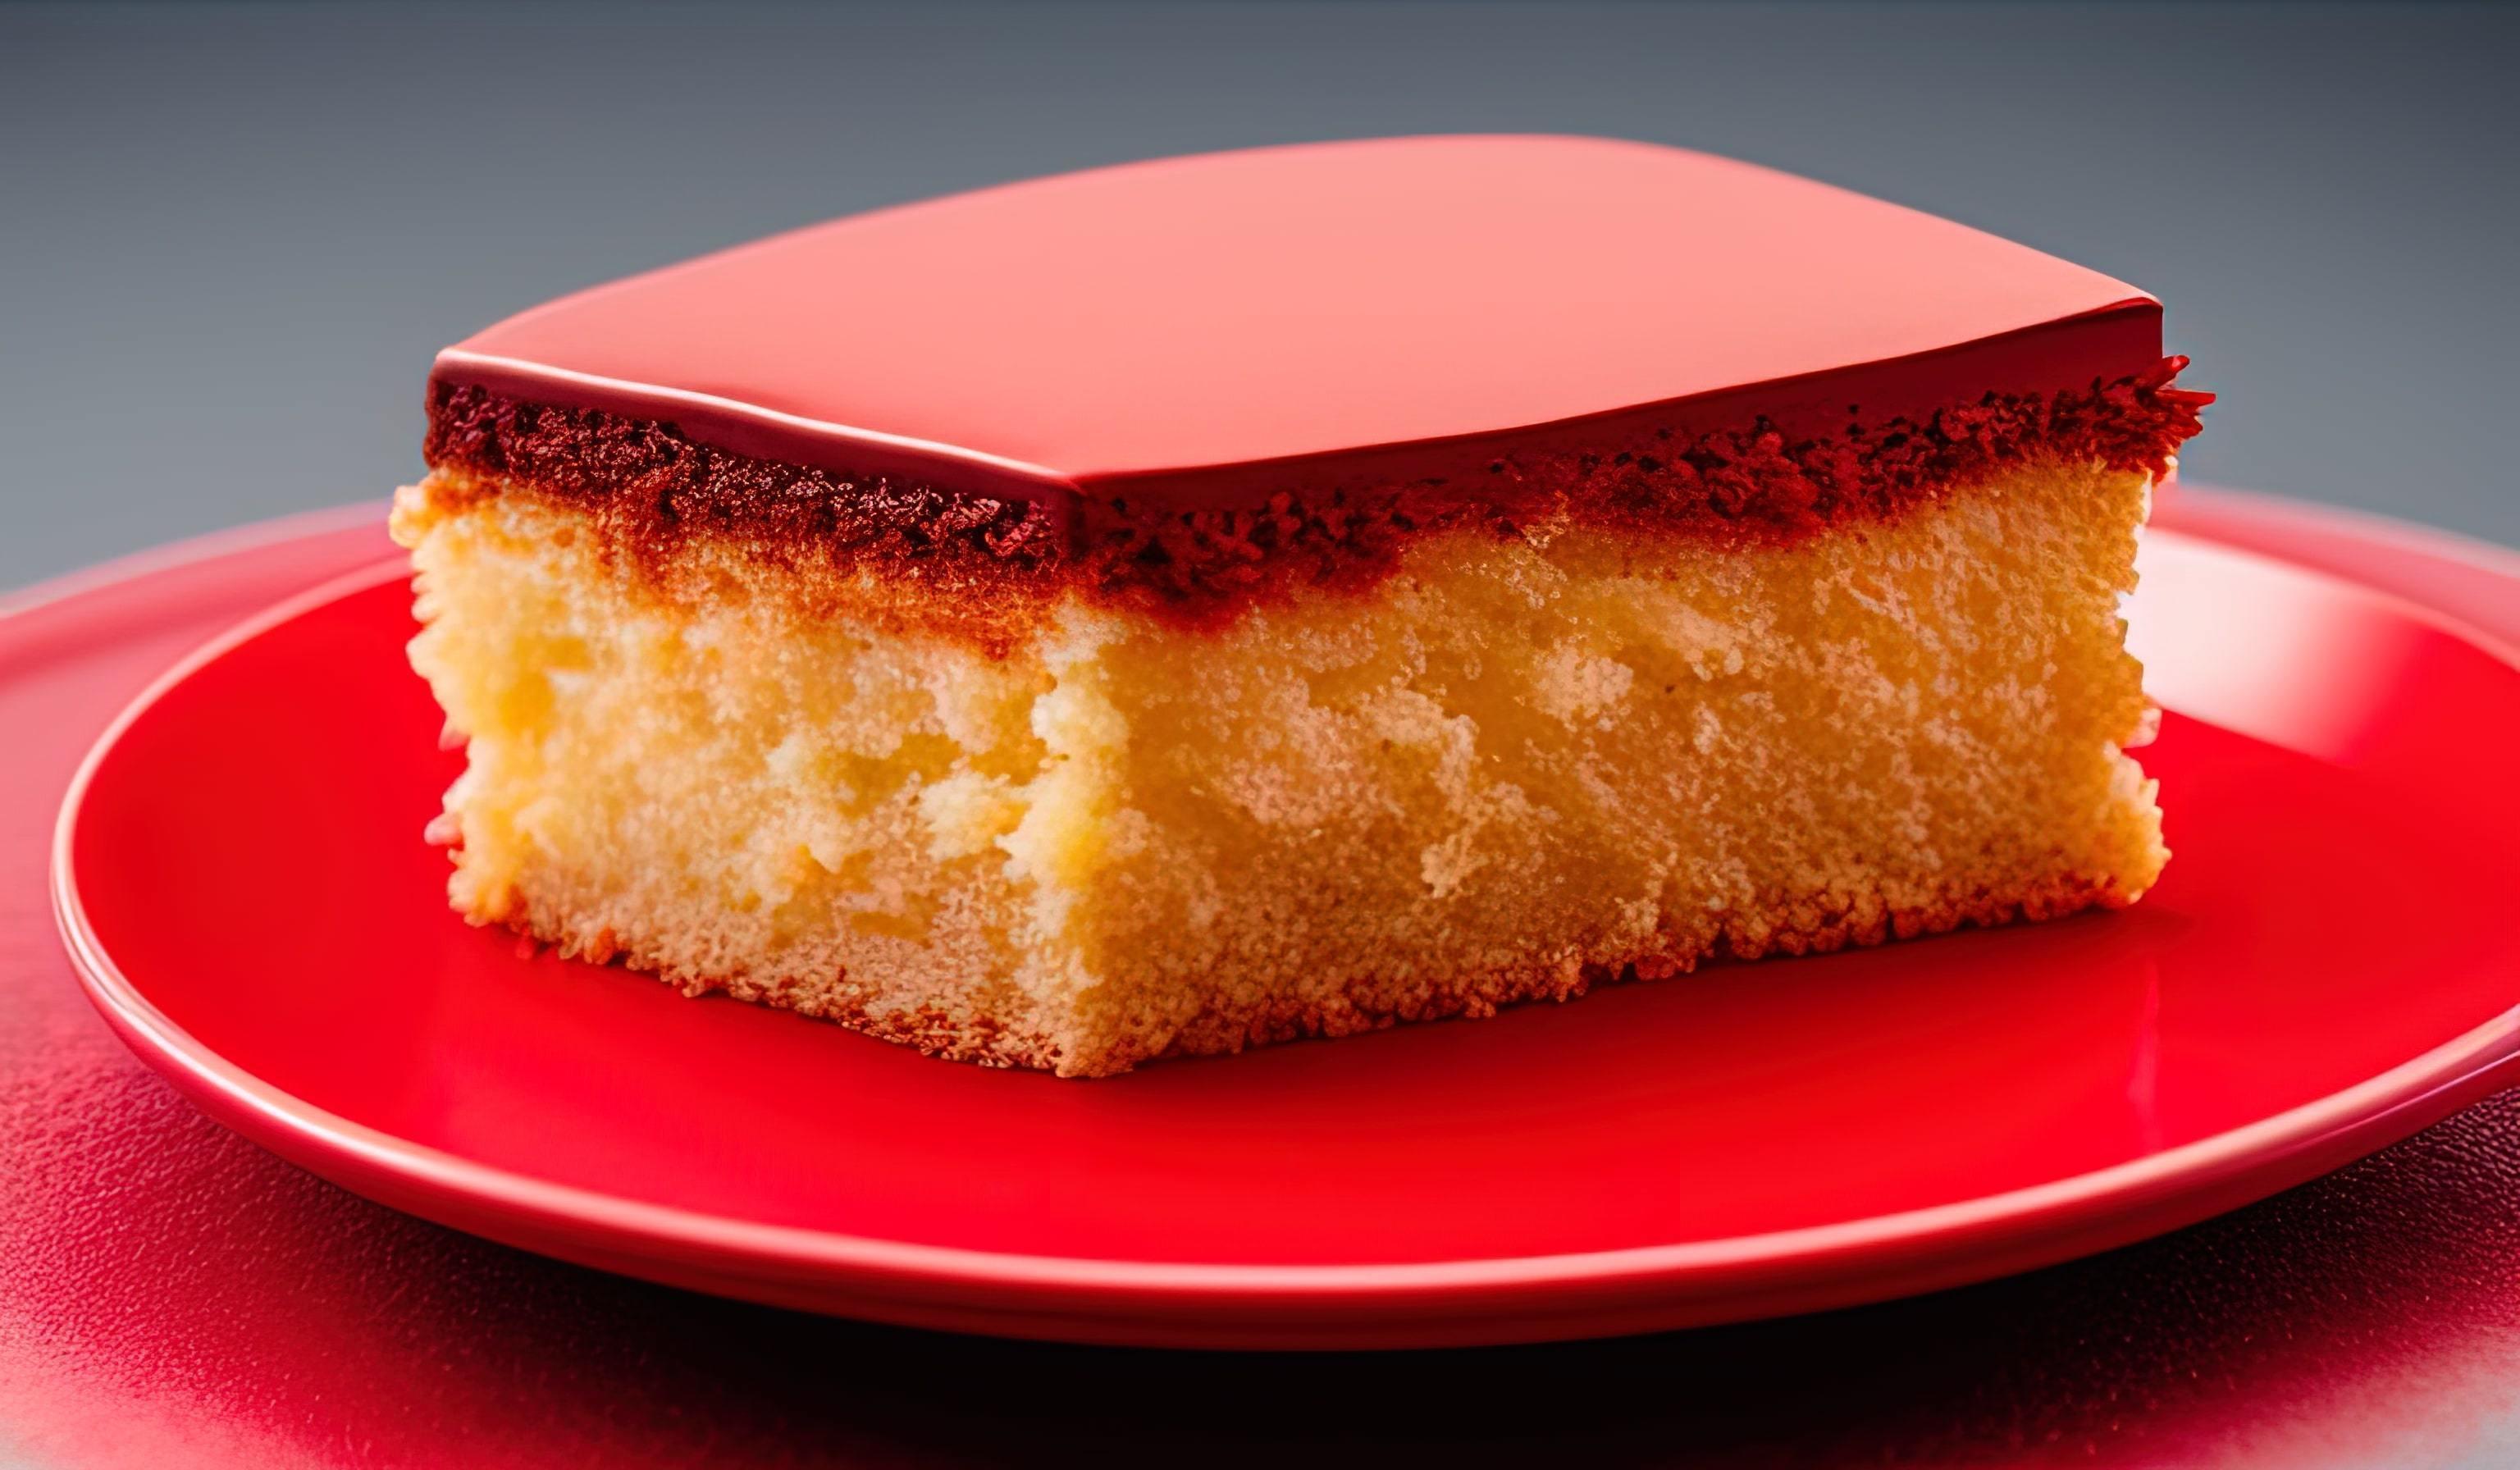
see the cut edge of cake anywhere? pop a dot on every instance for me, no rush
(1513, 769)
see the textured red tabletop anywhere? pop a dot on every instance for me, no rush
(170, 1295)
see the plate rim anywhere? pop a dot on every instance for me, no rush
(46, 592)
(2018, 1228)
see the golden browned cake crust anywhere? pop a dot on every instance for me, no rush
(985, 565)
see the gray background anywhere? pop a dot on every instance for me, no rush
(231, 237)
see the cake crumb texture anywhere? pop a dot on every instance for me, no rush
(1519, 764)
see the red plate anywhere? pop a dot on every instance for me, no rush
(240, 877)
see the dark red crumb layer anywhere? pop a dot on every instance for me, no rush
(656, 488)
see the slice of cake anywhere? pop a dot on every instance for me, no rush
(1178, 606)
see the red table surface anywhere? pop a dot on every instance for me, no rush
(171, 1295)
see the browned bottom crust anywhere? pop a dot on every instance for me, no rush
(1818, 925)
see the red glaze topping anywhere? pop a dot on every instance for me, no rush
(1215, 334)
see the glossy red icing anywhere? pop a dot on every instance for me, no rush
(1201, 329)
